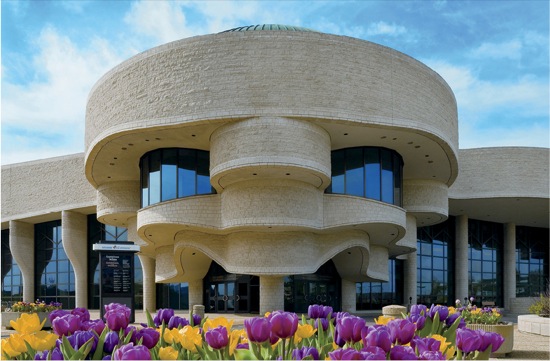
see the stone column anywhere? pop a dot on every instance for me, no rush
(149, 286)
(410, 264)
(196, 293)
(271, 293)
(509, 275)
(74, 236)
(461, 257)
(22, 250)
(349, 296)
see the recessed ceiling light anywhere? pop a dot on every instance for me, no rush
(123, 148)
(130, 144)
(384, 137)
(111, 163)
(430, 161)
(345, 133)
(417, 146)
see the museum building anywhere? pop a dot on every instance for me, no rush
(273, 167)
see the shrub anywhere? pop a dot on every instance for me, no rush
(541, 307)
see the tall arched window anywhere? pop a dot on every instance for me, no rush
(370, 172)
(174, 173)
(12, 283)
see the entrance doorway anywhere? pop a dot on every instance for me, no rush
(231, 293)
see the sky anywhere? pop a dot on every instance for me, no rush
(493, 54)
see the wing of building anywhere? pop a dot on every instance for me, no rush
(274, 167)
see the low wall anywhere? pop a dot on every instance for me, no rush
(534, 324)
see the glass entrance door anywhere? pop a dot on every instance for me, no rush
(222, 297)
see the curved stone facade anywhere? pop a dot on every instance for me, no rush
(271, 107)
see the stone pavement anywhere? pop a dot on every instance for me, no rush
(526, 346)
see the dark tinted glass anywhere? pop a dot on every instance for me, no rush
(338, 170)
(169, 174)
(154, 177)
(354, 172)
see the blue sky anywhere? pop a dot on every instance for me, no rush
(493, 54)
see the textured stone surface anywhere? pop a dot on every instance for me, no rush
(74, 235)
(22, 250)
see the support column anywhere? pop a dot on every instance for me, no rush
(509, 276)
(410, 264)
(22, 250)
(461, 257)
(196, 293)
(74, 236)
(272, 290)
(349, 296)
(149, 286)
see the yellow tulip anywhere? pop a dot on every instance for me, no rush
(304, 331)
(383, 320)
(444, 346)
(172, 335)
(452, 310)
(216, 322)
(41, 340)
(7, 348)
(191, 337)
(16, 342)
(266, 315)
(234, 338)
(27, 323)
(168, 353)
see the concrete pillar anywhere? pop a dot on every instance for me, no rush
(349, 296)
(196, 293)
(74, 236)
(22, 250)
(410, 264)
(461, 257)
(509, 275)
(149, 286)
(271, 294)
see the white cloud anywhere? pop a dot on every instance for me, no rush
(383, 28)
(483, 105)
(53, 106)
(161, 20)
(510, 49)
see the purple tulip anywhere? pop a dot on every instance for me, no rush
(345, 354)
(338, 315)
(81, 312)
(349, 328)
(419, 321)
(425, 344)
(163, 315)
(402, 353)
(55, 355)
(324, 323)
(242, 346)
(442, 310)
(177, 322)
(420, 310)
(108, 357)
(373, 353)
(66, 325)
(217, 337)
(337, 339)
(79, 338)
(120, 307)
(257, 329)
(93, 325)
(302, 353)
(149, 337)
(57, 313)
(196, 319)
(401, 330)
(490, 339)
(111, 340)
(318, 311)
(283, 324)
(117, 319)
(452, 318)
(131, 352)
(377, 336)
(431, 355)
(467, 340)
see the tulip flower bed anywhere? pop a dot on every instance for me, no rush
(425, 333)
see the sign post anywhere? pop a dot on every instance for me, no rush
(116, 274)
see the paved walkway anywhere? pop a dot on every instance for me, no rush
(526, 346)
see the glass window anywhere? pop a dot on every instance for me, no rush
(371, 172)
(174, 173)
(53, 269)
(169, 174)
(434, 245)
(532, 251)
(375, 295)
(12, 284)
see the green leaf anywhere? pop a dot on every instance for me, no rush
(425, 332)
(436, 324)
(243, 354)
(150, 322)
(84, 350)
(66, 349)
(450, 333)
(98, 354)
(30, 350)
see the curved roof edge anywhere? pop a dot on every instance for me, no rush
(273, 27)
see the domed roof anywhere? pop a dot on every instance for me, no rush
(273, 27)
